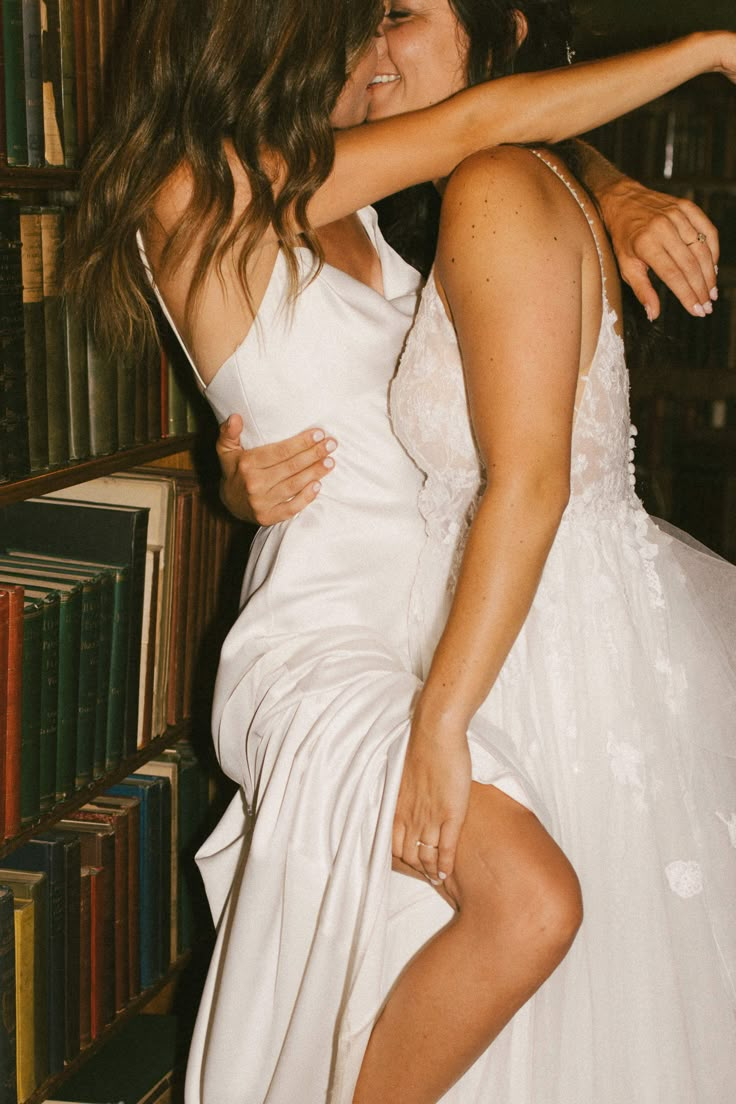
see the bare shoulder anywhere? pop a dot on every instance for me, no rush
(497, 184)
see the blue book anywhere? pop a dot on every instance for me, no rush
(45, 855)
(151, 863)
(164, 949)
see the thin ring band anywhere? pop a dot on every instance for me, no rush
(700, 238)
(434, 846)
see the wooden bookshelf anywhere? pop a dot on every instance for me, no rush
(55, 479)
(133, 1009)
(98, 786)
(23, 179)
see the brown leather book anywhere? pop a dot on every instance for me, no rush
(85, 945)
(13, 710)
(117, 819)
(131, 807)
(180, 605)
(97, 849)
(80, 67)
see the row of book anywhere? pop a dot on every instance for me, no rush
(54, 54)
(94, 912)
(679, 136)
(108, 596)
(60, 399)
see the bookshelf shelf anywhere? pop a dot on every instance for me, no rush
(22, 179)
(70, 474)
(80, 797)
(42, 1093)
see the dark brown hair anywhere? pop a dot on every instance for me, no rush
(264, 74)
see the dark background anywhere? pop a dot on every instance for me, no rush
(606, 25)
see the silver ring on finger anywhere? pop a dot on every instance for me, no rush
(432, 846)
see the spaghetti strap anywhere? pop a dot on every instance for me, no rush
(553, 168)
(142, 250)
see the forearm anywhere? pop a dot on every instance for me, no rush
(376, 159)
(507, 547)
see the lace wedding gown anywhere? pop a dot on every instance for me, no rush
(614, 719)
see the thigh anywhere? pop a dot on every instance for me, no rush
(506, 859)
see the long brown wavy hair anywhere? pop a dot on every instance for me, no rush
(190, 74)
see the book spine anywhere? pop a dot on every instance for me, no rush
(118, 671)
(49, 701)
(15, 413)
(25, 1027)
(87, 706)
(30, 753)
(3, 129)
(51, 81)
(8, 1089)
(85, 957)
(102, 398)
(4, 630)
(125, 403)
(13, 723)
(68, 83)
(98, 893)
(80, 73)
(52, 230)
(72, 872)
(34, 343)
(33, 85)
(77, 387)
(92, 55)
(15, 83)
(70, 633)
(104, 655)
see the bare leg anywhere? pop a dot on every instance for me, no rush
(519, 908)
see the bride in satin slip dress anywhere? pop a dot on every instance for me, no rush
(614, 720)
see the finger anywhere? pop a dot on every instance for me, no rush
(694, 246)
(642, 287)
(300, 462)
(428, 855)
(289, 488)
(449, 837)
(282, 511)
(229, 435)
(294, 446)
(679, 269)
(410, 851)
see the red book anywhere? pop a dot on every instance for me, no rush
(117, 819)
(131, 807)
(13, 710)
(98, 904)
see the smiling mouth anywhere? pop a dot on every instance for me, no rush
(384, 78)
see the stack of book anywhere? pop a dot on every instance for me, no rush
(61, 400)
(55, 55)
(94, 912)
(94, 590)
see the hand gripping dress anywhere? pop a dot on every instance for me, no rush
(614, 719)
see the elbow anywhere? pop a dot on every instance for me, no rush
(541, 496)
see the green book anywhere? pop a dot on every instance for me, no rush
(102, 390)
(30, 739)
(15, 83)
(76, 385)
(30, 886)
(34, 340)
(14, 410)
(68, 82)
(52, 236)
(33, 86)
(86, 703)
(113, 669)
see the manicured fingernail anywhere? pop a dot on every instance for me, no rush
(708, 307)
(316, 488)
(328, 463)
(331, 446)
(697, 309)
(715, 269)
(649, 313)
(434, 881)
(318, 435)
(441, 875)
(714, 293)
